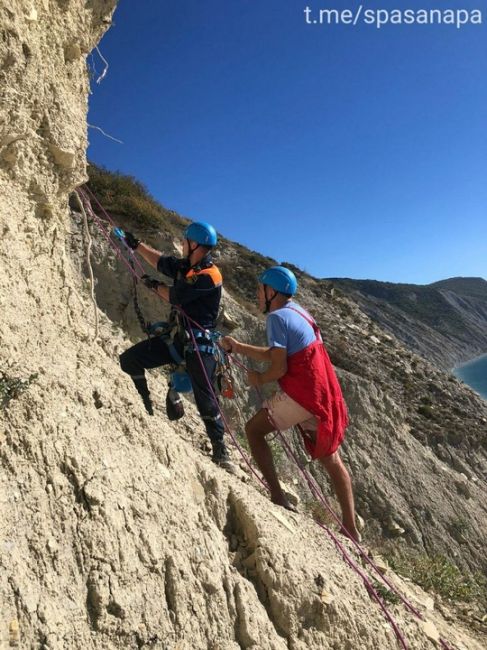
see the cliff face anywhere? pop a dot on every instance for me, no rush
(44, 88)
(116, 531)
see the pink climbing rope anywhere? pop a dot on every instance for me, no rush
(313, 486)
(318, 493)
(107, 236)
(112, 222)
(185, 316)
(222, 414)
(345, 555)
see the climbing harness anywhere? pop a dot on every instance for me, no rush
(310, 481)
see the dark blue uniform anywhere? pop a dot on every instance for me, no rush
(198, 291)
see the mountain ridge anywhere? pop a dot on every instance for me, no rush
(445, 322)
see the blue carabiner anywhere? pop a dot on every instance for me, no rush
(119, 233)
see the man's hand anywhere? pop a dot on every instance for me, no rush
(127, 237)
(229, 344)
(253, 378)
(131, 241)
(151, 283)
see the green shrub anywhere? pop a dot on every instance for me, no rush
(319, 513)
(386, 594)
(121, 194)
(436, 573)
(458, 527)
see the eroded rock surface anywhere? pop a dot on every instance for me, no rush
(116, 531)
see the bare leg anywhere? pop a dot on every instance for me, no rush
(342, 484)
(256, 429)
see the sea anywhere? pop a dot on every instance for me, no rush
(474, 373)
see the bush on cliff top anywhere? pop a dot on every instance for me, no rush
(121, 194)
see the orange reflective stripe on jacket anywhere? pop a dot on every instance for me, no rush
(212, 271)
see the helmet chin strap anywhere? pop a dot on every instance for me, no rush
(268, 300)
(190, 252)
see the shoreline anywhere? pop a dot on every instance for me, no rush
(466, 363)
(473, 374)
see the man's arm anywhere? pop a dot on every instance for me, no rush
(163, 291)
(251, 351)
(276, 370)
(256, 352)
(166, 265)
(276, 356)
(150, 254)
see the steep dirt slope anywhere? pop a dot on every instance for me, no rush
(409, 420)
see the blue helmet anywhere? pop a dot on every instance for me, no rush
(280, 279)
(202, 233)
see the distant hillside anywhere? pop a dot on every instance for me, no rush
(474, 287)
(424, 303)
(445, 322)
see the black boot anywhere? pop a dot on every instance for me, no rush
(174, 405)
(143, 390)
(220, 455)
(148, 404)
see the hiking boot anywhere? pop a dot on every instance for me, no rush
(221, 457)
(148, 404)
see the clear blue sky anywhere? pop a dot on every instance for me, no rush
(348, 151)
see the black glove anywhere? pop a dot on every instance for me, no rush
(131, 241)
(151, 283)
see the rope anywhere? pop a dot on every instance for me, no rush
(318, 494)
(107, 235)
(368, 584)
(105, 69)
(132, 270)
(88, 261)
(222, 414)
(314, 488)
